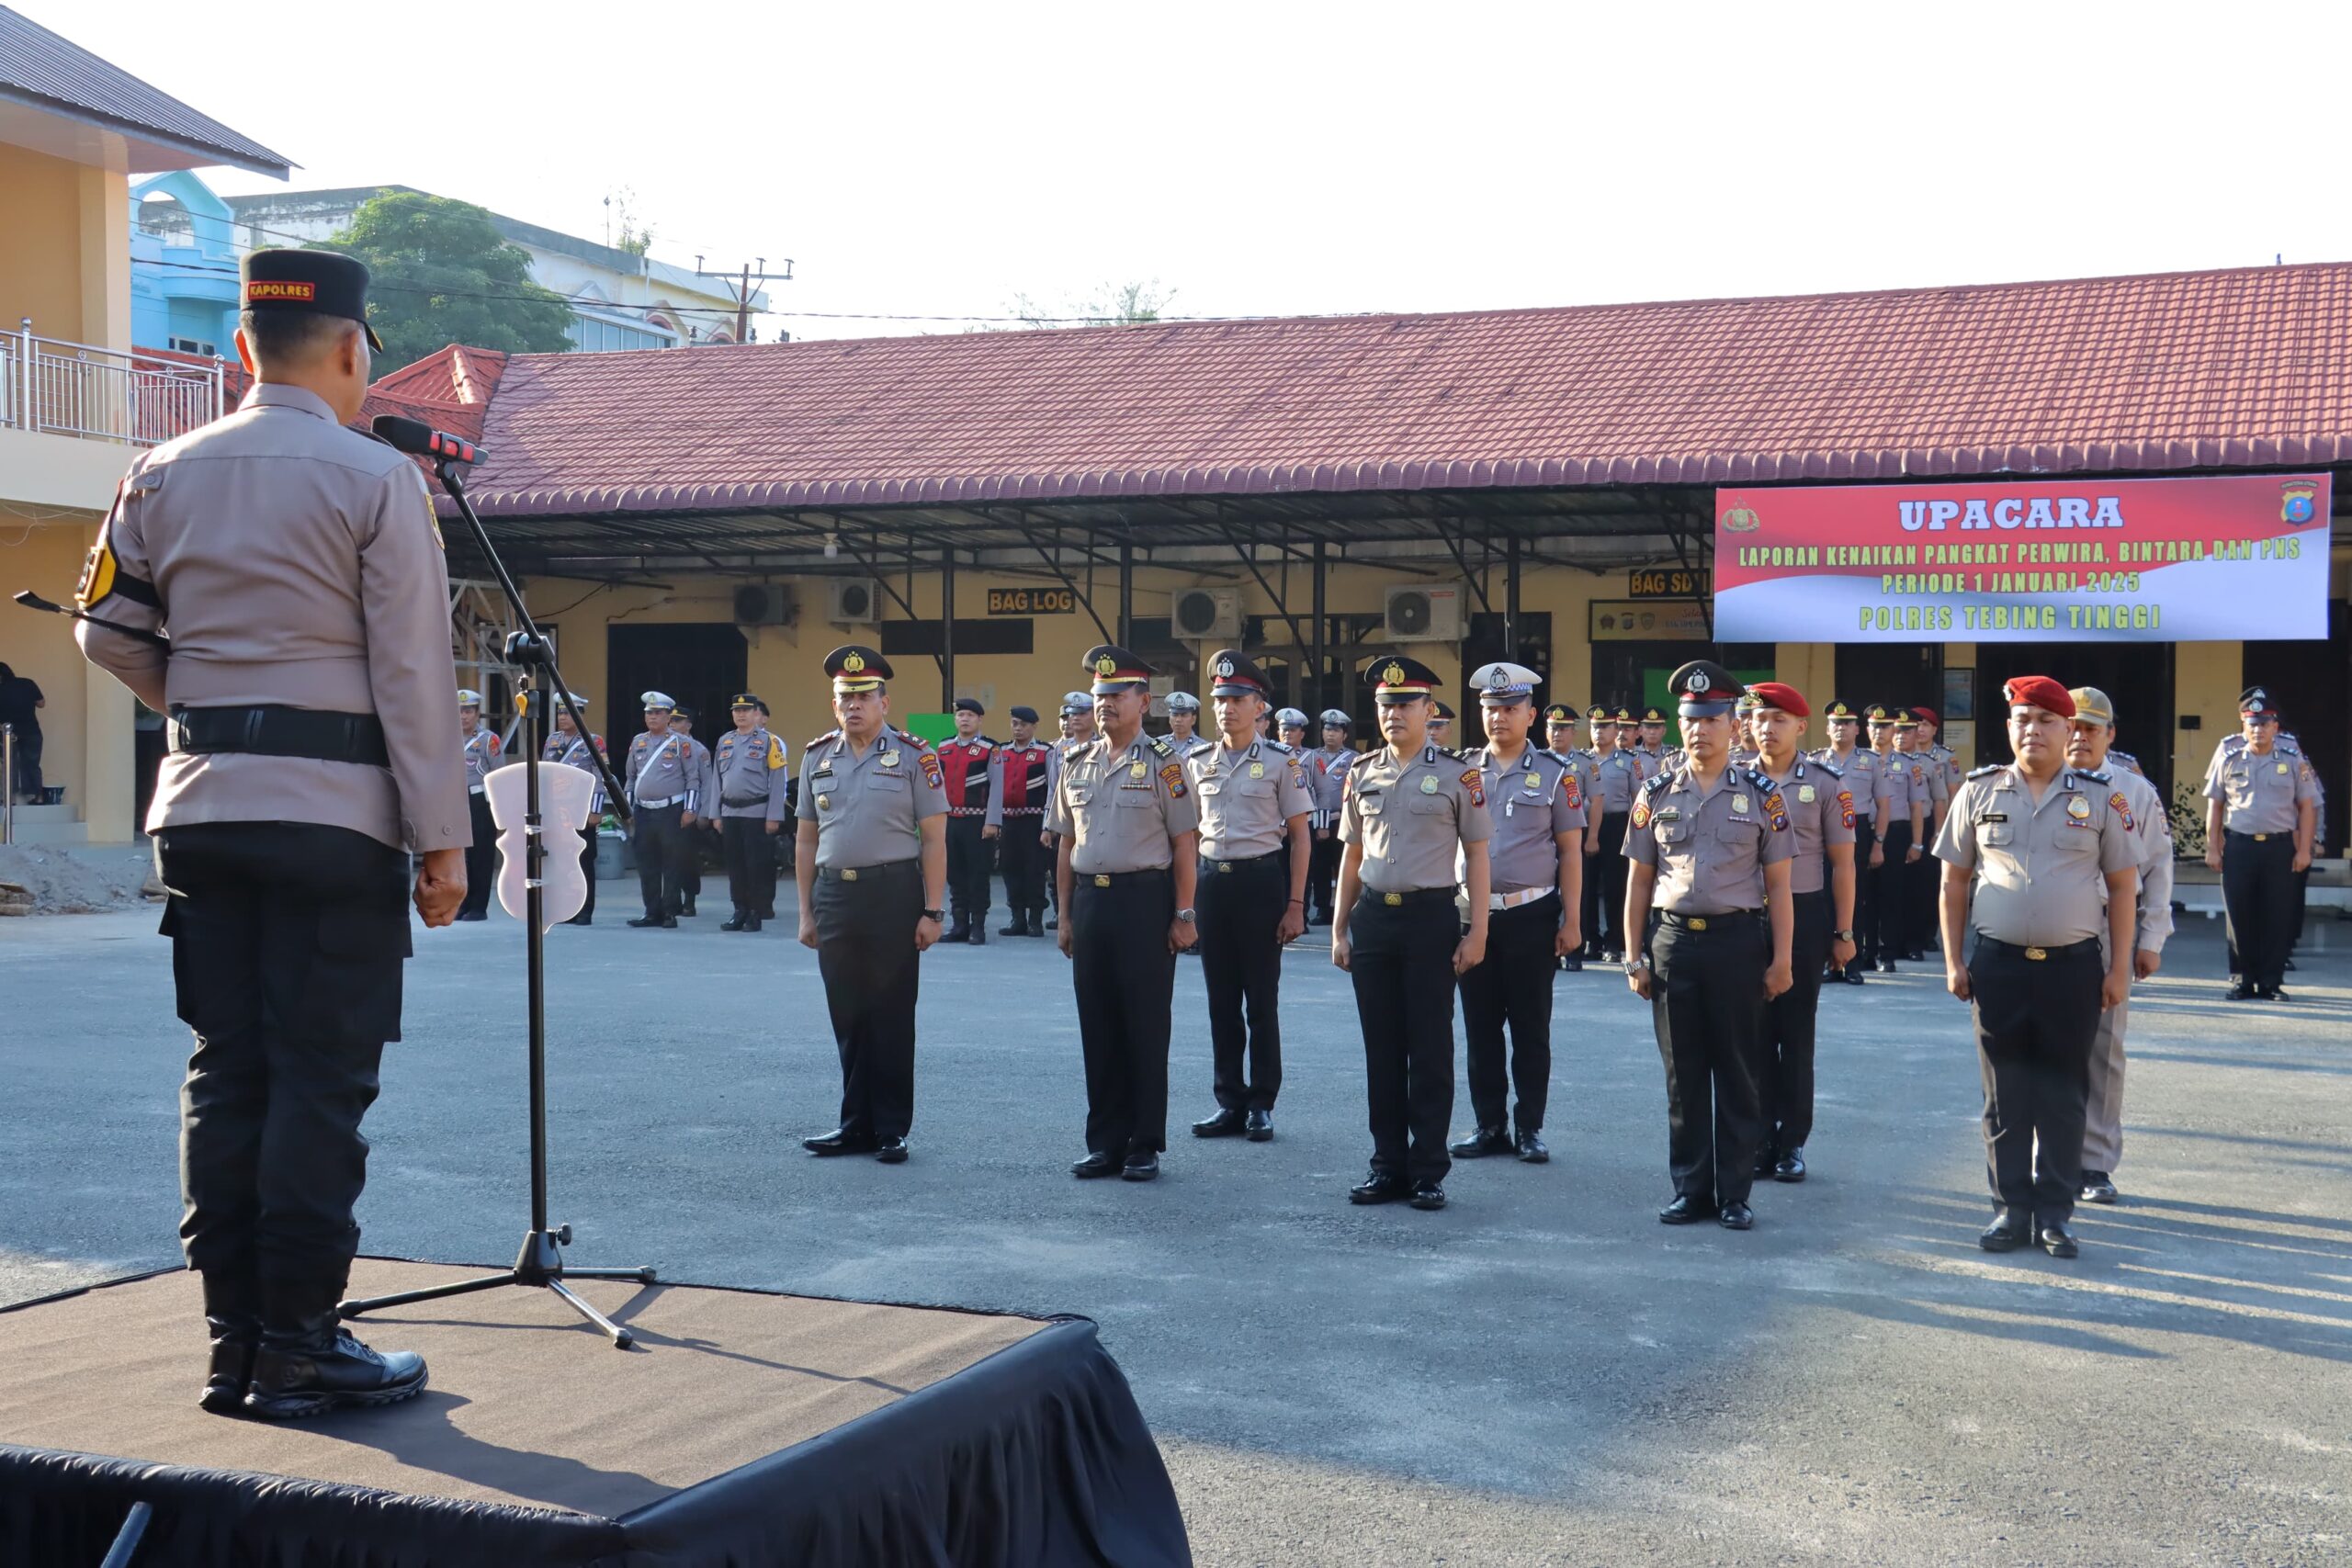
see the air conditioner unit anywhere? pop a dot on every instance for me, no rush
(765, 605)
(1206, 614)
(1423, 615)
(853, 601)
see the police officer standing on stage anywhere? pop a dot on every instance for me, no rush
(1017, 794)
(753, 785)
(2259, 821)
(1414, 825)
(2031, 852)
(1535, 860)
(1821, 887)
(663, 787)
(872, 868)
(1865, 778)
(1710, 846)
(482, 755)
(968, 762)
(296, 565)
(565, 747)
(1609, 804)
(1127, 824)
(1327, 779)
(1254, 802)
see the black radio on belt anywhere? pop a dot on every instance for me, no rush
(273, 731)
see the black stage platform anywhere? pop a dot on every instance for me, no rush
(745, 1429)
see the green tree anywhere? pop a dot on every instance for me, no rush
(1109, 305)
(443, 275)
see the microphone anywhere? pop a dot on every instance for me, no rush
(415, 437)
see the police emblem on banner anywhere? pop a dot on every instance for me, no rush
(2297, 503)
(1741, 519)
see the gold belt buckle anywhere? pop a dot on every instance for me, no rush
(1392, 899)
(1102, 879)
(1696, 923)
(2262, 838)
(2037, 954)
(1222, 866)
(850, 874)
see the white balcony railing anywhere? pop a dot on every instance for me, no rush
(103, 394)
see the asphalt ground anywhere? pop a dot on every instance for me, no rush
(1539, 1374)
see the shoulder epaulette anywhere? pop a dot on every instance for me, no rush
(1657, 785)
(1827, 766)
(1160, 748)
(1448, 751)
(2284, 749)
(1761, 779)
(1281, 748)
(1987, 767)
(829, 734)
(2095, 777)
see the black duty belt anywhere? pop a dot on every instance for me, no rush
(1410, 896)
(867, 873)
(1682, 922)
(732, 803)
(271, 730)
(2040, 954)
(2259, 837)
(1114, 878)
(1220, 865)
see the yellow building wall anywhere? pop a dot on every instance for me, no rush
(83, 702)
(64, 249)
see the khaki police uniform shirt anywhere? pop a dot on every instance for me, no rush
(1536, 797)
(481, 756)
(1710, 845)
(1821, 813)
(661, 769)
(870, 810)
(1122, 806)
(1865, 775)
(1620, 776)
(749, 766)
(2261, 795)
(297, 563)
(1930, 770)
(1587, 768)
(1902, 781)
(2041, 868)
(1248, 798)
(2144, 814)
(1412, 816)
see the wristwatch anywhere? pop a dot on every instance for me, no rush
(1841, 936)
(932, 915)
(1185, 915)
(1635, 964)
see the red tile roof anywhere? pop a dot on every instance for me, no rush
(2244, 367)
(449, 391)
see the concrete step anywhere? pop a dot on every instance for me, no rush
(59, 824)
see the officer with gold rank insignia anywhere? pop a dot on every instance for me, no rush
(295, 566)
(1648, 741)
(1744, 754)
(2030, 851)
(1414, 825)
(1535, 889)
(1442, 726)
(1710, 846)
(753, 787)
(2261, 813)
(1254, 802)
(872, 869)
(481, 744)
(1610, 803)
(1127, 824)
(567, 748)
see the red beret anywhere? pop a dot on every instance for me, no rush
(1927, 716)
(2039, 692)
(1773, 695)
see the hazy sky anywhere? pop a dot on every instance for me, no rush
(1272, 159)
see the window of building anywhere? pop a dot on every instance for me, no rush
(192, 346)
(592, 335)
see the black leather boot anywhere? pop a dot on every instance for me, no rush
(308, 1365)
(1020, 926)
(232, 1314)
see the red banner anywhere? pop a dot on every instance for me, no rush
(2242, 557)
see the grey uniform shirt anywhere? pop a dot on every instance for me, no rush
(1587, 767)
(1929, 769)
(661, 769)
(1537, 797)
(1901, 781)
(1327, 777)
(1122, 806)
(2260, 795)
(294, 562)
(1412, 816)
(1821, 813)
(571, 751)
(1710, 845)
(1248, 798)
(2040, 869)
(481, 757)
(1865, 775)
(2144, 814)
(1620, 776)
(870, 810)
(750, 774)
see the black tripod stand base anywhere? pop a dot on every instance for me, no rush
(540, 1265)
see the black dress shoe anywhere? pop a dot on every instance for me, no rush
(840, 1141)
(1016, 928)
(733, 922)
(2057, 1241)
(1053, 922)
(1380, 1187)
(1261, 1126)
(687, 908)
(1763, 1165)
(2005, 1234)
(890, 1151)
(1790, 1167)
(581, 920)
(1737, 1216)
(1685, 1211)
(1477, 1145)
(1854, 975)
(2241, 992)
(752, 922)
(669, 922)
(1428, 1193)
(1143, 1164)
(1221, 1123)
(979, 936)
(2290, 963)
(1095, 1165)
(2099, 1187)
(645, 922)
(1915, 955)
(1530, 1148)
(1612, 956)
(233, 1318)
(1572, 964)
(1886, 967)
(2272, 994)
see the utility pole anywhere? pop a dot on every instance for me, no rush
(754, 272)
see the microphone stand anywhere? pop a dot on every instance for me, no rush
(540, 1263)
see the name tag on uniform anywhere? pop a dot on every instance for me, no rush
(1993, 816)
(1671, 814)
(824, 771)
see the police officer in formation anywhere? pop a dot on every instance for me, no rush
(1023, 782)
(690, 841)
(1184, 726)
(1254, 802)
(1921, 885)
(1535, 860)
(1710, 846)
(1441, 726)
(1647, 740)
(2260, 819)
(480, 750)
(1412, 811)
(968, 763)
(1127, 829)
(2041, 864)
(1611, 803)
(1902, 803)
(1560, 739)
(665, 789)
(1326, 778)
(1077, 729)
(752, 782)
(872, 869)
(297, 569)
(1821, 892)
(1290, 725)
(1865, 778)
(566, 748)
(2090, 750)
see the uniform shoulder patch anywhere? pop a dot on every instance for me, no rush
(1159, 745)
(1475, 782)
(916, 741)
(1987, 769)
(1761, 779)
(2086, 775)
(830, 735)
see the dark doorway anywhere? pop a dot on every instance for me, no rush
(1901, 674)
(1485, 645)
(1635, 674)
(2312, 684)
(701, 664)
(2136, 677)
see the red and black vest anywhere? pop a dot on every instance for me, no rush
(1025, 776)
(965, 764)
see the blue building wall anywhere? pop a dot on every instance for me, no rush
(183, 287)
